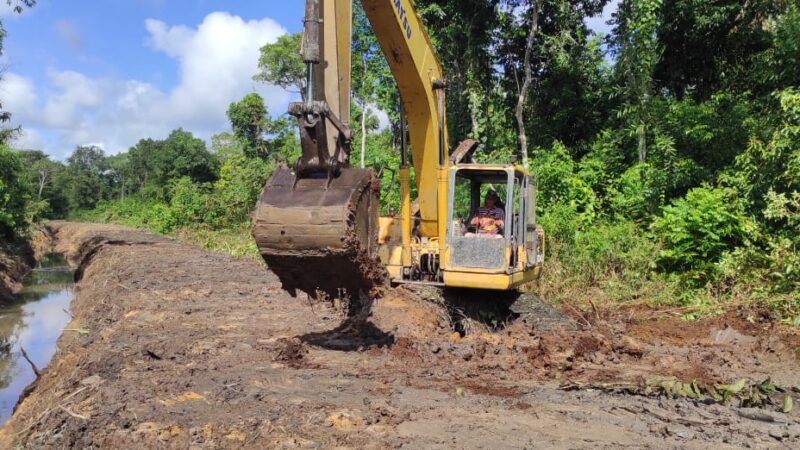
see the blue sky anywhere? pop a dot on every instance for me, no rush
(108, 72)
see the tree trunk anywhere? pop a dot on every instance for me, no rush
(363, 133)
(526, 84)
(642, 136)
(473, 113)
(42, 182)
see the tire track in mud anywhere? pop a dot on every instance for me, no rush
(184, 348)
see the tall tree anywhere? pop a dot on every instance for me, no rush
(120, 174)
(281, 64)
(462, 34)
(527, 79)
(156, 164)
(638, 51)
(713, 45)
(367, 64)
(86, 166)
(562, 100)
(249, 120)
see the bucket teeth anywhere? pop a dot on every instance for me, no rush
(320, 235)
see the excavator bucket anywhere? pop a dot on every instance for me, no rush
(320, 234)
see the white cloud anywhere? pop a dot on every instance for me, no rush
(29, 139)
(18, 94)
(216, 61)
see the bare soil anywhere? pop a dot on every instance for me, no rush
(175, 347)
(16, 259)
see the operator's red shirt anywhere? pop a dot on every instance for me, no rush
(487, 217)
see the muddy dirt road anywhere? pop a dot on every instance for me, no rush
(174, 347)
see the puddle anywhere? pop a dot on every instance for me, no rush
(33, 320)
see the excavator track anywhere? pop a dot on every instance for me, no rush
(319, 235)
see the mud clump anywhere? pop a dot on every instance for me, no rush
(591, 344)
(290, 350)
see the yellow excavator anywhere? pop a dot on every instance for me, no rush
(316, 224)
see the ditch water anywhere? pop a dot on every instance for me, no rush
(33, 321)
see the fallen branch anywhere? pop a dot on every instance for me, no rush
(49, 410)
(761, 416)
(75, 415)
(33, 366)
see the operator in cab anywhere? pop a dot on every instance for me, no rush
(489, 220)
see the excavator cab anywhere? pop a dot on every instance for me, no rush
(510, 253)
(469, 256)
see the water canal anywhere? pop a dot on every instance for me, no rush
(32, 321)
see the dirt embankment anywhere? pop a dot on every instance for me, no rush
(175, 347)
(16, 260)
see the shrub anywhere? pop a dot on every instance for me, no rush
(697, 230)
(561, 222)
(566, 202)
(189, 203)
(159, 218)
(236, 192)
(630, 197)
(617, 250)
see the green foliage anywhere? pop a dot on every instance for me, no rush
(698, 230)
(236, 192)
(248, 118)
(13, 195)
(687, 103)
(189, 203)
(771, 261)
(632, 196)
(235, 240)
(638, 51)
(710, 133)
(156, 163)
(386, 162)
(618, 251)
(280, 63)
(718, 46)
(772, 165)
(562, 192)
(135, 212)
(85, 169)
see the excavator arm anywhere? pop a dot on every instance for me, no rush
(416, 69)
(316, 224)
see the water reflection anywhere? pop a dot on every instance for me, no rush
(34, 321)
